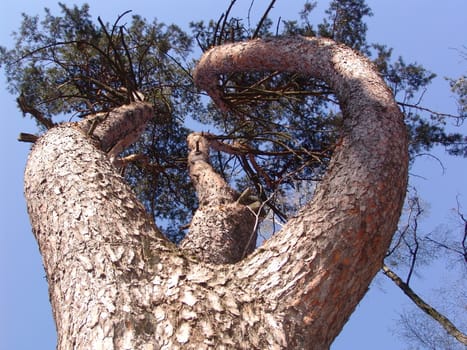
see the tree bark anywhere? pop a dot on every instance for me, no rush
(116, 283)
(222, 230)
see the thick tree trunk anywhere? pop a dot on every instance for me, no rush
(116, 283)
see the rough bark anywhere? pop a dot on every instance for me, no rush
(222, 230)
(116, 283)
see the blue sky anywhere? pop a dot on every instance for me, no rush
(428, 32)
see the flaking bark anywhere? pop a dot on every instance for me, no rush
(116, 283)
(222, 230)
(343, 234)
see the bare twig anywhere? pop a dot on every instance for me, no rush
(417, 210)
(438, 114)
(261, 21)
(434, 157)
(464, 237)
(258, 220)
(459, 248)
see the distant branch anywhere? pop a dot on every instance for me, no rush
(464, 237)
(25, 137)
(38, 115)
(265, 15)
(462, 253)
(429, 310)
(221, 34)
(434, 157)
(438, 114)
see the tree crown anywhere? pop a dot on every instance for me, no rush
(282, 127)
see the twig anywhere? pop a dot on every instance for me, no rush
(257, 221)
(434, 157)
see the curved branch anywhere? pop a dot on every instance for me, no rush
(321, 263)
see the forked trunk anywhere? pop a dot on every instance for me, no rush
(116, 283)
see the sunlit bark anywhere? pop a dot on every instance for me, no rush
(116, 283)
(222, 230)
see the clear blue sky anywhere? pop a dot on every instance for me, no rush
(427, 32)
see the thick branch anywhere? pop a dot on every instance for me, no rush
(119, 128)
(38, 115)
(426, 308)
(336, 244)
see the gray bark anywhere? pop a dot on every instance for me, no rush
(116, 283)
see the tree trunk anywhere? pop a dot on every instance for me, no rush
(116, 283)
(222, 230)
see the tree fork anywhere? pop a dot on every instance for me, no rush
(338, 234)
(116, 283)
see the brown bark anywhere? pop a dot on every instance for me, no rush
(116, 283)
(118, 129)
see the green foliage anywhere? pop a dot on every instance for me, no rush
(459, 87)
(286, 124)
(345, 23)
(69, 65)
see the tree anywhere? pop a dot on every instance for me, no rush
(103, 126)
(136, 289)
(411, 249)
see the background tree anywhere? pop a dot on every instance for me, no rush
(265, 178)
(412, 250)
(97, 66)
